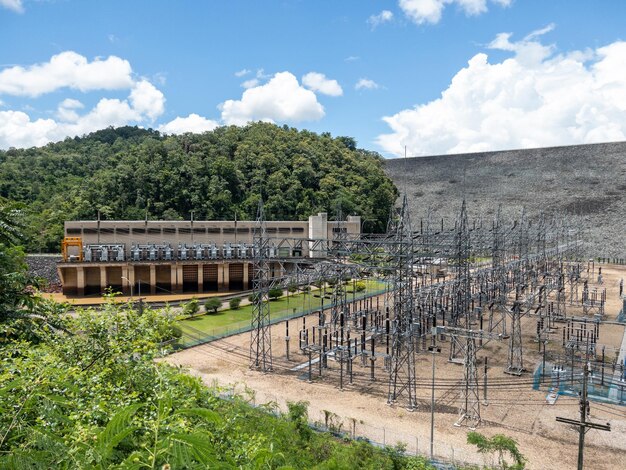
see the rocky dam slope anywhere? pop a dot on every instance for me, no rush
(586, 182)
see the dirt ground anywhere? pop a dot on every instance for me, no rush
(513, 408)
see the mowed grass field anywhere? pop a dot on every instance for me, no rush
(203, 328)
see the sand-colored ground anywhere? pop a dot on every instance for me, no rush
(513, 407)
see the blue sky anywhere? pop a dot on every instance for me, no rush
(436, 76)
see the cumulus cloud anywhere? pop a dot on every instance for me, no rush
(280, 99)
(67, 109)
(66, 70)
(72, 71)
(383, 17)
(147, 99)
(15, 5)
(192, 123)
(241, 73)
(366, 84)
(430, 11)
(318, 82)
(534, 98)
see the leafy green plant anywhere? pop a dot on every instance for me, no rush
(500, 444)
(234, 303)
(211, 305)
(191, 308)
(275, 293)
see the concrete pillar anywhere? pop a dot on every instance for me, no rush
(179, 279)
(152, 279)
(173, 279)
(80, 281)
(200, 278)
(224, 270)
(103, 279)
(220, 277)
(245, 275)
(131, 277)
(125, 283)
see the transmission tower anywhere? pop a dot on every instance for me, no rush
(515, 364)
(469, 411)
(402, 384)
(260, 335)
(460, 312)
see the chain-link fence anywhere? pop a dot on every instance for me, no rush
(193, 336)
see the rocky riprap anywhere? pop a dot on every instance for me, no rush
(584, 181)
(45, 267)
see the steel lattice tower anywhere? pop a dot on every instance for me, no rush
(515, 364)
(402, 385)
(470, 401)
(260, 335)
(462, 295)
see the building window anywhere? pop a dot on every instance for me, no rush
(74, 231)
(297, 230)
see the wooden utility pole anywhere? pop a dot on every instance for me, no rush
(583, 424)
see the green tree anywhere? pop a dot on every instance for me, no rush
(212, 305)
(501, 444)
(275, 293)
(234, 303)
(191, 308)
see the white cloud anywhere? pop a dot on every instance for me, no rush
(535, 98)
(192, 123)
(366, 84)
(15, 5)
(147, 99)
(67, 109)
(281, 99)
(242, 72)
(430, 11)
(383, 17)
(70, 70)
(250, 83)
(352, 58)
(318, 82)
(66, 70)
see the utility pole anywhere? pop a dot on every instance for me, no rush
(583, 424)
(433, 350)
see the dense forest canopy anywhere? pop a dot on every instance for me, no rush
(128, 173)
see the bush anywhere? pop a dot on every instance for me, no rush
(252, 298)
(360, 286)
(234, 303)
(275, 293)
(212, 305)
(191, 308)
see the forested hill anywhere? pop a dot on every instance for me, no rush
(128, 172)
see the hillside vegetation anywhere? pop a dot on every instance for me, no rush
(583, 182)
(131, 173)
(86, 391)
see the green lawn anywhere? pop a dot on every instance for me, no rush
(202, 328)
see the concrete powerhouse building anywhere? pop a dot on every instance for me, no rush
(183, 256)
